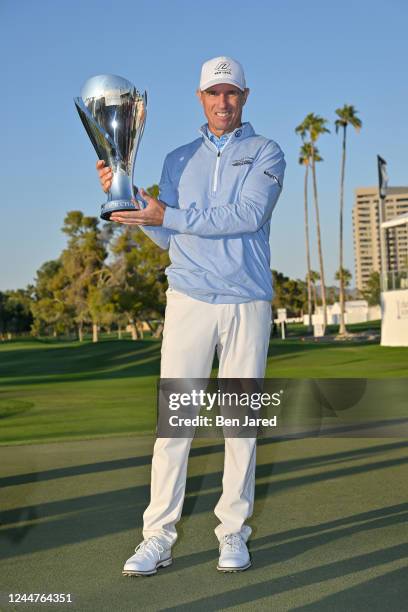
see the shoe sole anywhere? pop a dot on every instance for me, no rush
(231, 570)
(164, 563)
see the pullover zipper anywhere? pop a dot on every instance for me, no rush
(215, 179)
(217, 163)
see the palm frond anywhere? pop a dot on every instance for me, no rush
(348, 116)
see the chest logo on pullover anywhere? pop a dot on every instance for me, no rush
(243, 161)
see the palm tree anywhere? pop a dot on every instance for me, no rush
(314, 126)
(346, 116)
(305, 160)
(346, 275)
(314, 276)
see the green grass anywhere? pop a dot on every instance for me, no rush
(78, 390)
(296, 359)
(329, 516)
(329, 527)
(298, 329)
(52, 390)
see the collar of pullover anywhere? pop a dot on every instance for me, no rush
(218, 141)
(241, 132)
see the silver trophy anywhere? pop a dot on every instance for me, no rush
(113, 112)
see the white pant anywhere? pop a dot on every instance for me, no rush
(192, 331)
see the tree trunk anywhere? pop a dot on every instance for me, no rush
(150, 328)
(119, 332)
(133, 329)
(81, 331)
(159, 331)
(140, 331)
(309, 282)
(314, 297)
(95, 337)
(342, 330)
(319, 244)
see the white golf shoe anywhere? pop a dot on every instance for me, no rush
(234, 555)
(149, 556)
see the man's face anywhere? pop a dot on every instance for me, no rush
(222, 106)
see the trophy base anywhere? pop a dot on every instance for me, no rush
(115, 206)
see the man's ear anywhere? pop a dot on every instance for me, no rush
(246, 94)
(199, 95)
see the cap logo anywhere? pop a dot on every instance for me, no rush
(222, 68)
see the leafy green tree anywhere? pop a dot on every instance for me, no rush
(314, 276)
(346, 276)
(51, 312)
(278, 281)
(332, 295)
(125, 282)
(3, 313)
(83, 263)
(15, 312)
(372, 293)
(289, 293)
(296, 296)
(138, 282)
(99, 302)
(347, 115)
(311, 128)
(153, 190)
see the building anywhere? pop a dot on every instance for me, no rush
(394, 296)
(366, 232)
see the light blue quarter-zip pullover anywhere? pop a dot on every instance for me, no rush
(217, 221)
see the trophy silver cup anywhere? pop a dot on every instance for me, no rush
(113, 113)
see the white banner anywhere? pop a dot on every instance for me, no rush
(394, 328)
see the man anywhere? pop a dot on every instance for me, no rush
(217, 195)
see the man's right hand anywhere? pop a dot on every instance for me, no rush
(105, 175)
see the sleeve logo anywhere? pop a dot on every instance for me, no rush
(274, 177)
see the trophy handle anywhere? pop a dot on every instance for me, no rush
(101, 140)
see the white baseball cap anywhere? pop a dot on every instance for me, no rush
(222, 70)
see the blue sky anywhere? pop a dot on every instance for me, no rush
(299, 57)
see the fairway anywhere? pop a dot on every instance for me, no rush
(56, 390)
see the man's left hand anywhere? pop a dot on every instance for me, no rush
(153, 214)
